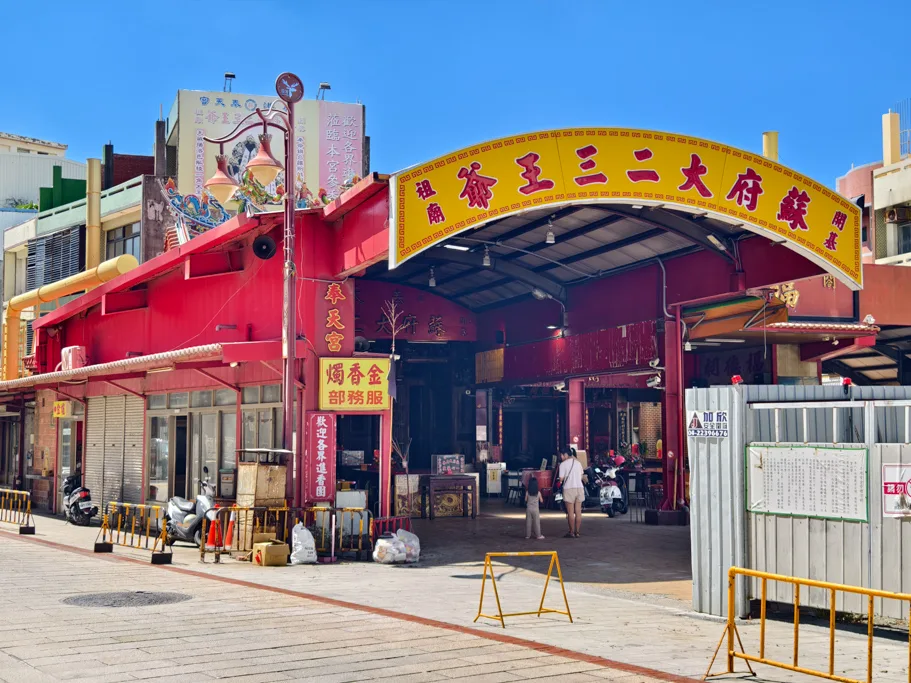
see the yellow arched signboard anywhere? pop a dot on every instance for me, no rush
(465, 189)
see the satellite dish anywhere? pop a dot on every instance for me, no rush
(264, 247)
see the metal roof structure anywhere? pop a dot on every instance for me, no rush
(589, 241)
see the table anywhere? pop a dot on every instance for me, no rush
(435, 484)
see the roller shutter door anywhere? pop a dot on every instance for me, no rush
(93, 459)
(134, 434)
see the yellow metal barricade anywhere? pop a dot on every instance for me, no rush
(16, 509)
(500, 615)
(353, 532)
(237, 529)
(140, 527)
(731, 633)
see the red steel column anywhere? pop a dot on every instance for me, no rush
(671, 407)
(575, 421)
(385, 463)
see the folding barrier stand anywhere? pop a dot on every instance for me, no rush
(500, 615)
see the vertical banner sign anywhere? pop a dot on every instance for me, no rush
(319, 459)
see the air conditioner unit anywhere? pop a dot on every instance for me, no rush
(72, 357)
(898, 214)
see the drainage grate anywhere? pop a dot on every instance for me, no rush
(124, 599)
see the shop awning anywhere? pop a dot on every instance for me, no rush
(178, 359)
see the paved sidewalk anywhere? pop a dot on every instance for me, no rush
(231, 632)
(638, 629)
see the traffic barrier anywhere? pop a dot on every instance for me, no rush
(388, 525)
(500, 615)
(140, 527)
(731, 632)
(335, 530)
(16, 509)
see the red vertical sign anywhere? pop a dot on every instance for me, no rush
(319, 459)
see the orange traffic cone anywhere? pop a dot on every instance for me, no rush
(214, 540)
(229, 532)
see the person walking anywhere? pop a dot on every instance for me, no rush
(533, 501)
(570, 476)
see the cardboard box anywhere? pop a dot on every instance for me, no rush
(271, 554)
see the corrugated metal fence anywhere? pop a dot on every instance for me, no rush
(725, 534)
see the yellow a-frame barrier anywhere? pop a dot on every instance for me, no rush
(500, 616)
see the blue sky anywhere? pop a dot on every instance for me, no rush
(436, 76)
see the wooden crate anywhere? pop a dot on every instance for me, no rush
(259, 482)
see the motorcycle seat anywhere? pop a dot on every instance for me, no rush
(184, 504)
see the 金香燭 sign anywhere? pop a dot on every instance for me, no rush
(897, 490)
(354, 384)
(319, 459)
(467, 188)
(63, 409)
(710, 423)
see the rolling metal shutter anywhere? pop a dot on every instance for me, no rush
(113, 448)
(134, 417)
(93, 460)
(54, 257)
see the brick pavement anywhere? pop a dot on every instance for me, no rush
(236, 632)
(636, 629)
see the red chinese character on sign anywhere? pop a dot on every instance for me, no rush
(334, 319)
(435, 213)
(477, 187)
(839, 220)
(337, 398)
(793, 209)
(830, 241)
(532, 173)
(424, 189)
(334, 293)
(335, 374)
(334, 340)
(374, 375)
(643, 175)
(889, 489)
(356, 397)
(693, 174)
(746, 189)
(355, 375)
(587, 164)
(374, 398)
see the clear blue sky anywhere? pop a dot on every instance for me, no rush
(438, 75)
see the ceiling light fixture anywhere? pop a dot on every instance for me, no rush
(550, 238)
(456, 247)
(687, 347)
(637, 206)
(717, 243)
(722, 340)
(486, 260)
(432, 282)
(553, 327)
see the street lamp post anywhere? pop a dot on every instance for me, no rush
(264, 168)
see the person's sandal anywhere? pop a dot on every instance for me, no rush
(569, 535)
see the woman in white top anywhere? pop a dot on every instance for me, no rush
(570, 476)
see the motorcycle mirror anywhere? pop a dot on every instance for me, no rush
(205, 470)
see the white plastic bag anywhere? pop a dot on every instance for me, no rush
(389, 549)
(412, 545)
(303, 547)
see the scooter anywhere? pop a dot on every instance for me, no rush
(184, 517)
(592, 484)
(77, 500)
(614, 493)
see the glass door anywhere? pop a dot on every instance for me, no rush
(66, 440)
(203, 446)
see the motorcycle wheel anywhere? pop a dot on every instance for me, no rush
(610, 512)
(80, 519)
(197, 538)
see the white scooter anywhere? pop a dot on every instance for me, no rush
(614, 496)
(184, 517)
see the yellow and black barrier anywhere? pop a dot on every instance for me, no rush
(237, 528)
(140, 527)
(501, 615)
(731, 633)
(16, 509)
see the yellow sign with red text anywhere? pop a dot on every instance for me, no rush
(62, 409)
(354, 384)
(465, 189)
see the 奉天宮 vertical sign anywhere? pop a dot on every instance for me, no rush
(469, 187)
(319, 458)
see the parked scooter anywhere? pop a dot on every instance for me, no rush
(77, 500)
(614, 493)
(184, 517)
